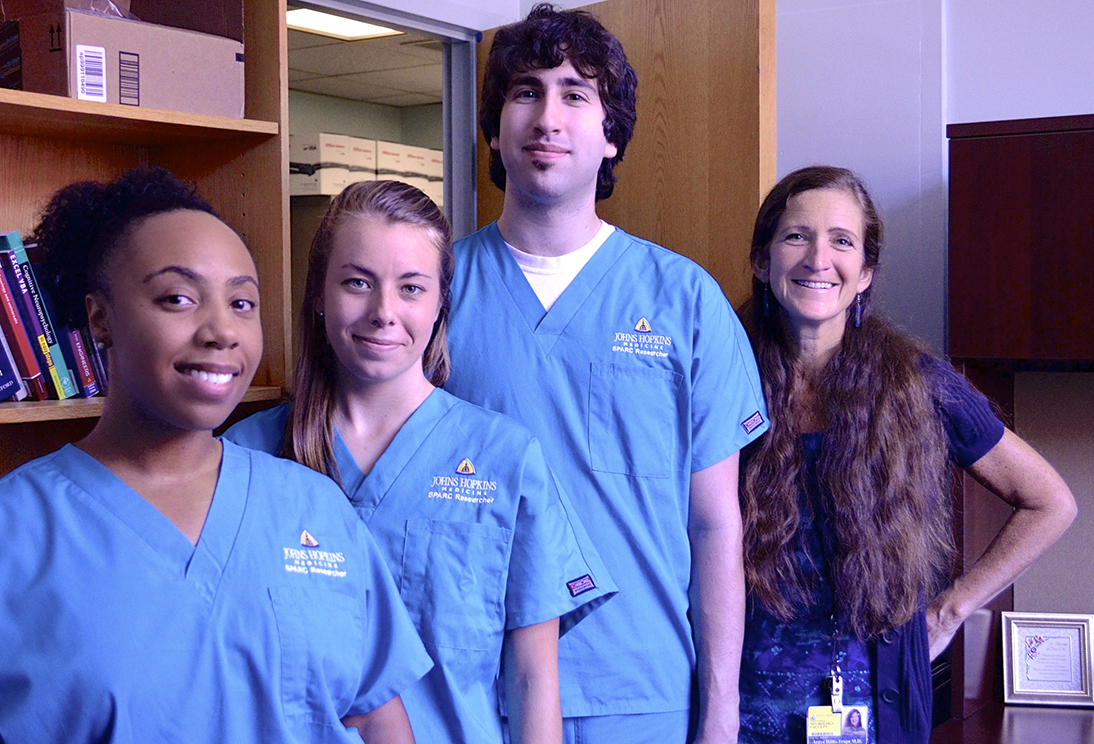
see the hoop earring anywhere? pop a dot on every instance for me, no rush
(858, 310)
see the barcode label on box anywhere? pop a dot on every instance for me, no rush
(129, 79)
(90, 73)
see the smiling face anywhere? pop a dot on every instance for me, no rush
(815, 263)
(551, 135)
(181, 319)
(381, 299)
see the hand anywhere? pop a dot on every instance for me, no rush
(939, 631)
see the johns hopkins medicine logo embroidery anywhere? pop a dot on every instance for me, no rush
(308, 560)
(642, 341)
(459, 487)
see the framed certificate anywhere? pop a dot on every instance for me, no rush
(1047, 659)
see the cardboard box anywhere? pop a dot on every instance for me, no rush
(102, 58)
(435, 168)
(416, 163)
(318, 163)
(362, 159)
(214, 17)
(390, 161)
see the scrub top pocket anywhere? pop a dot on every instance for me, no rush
(632, 420)
(453, 582)
(322, 634)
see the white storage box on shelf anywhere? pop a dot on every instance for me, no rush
(318, 163)
(362, 159)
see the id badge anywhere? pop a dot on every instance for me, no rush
(826, 726)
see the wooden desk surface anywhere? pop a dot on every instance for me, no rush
(996, 723)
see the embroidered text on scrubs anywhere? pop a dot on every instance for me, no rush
(468, 490)
(320, 562)
(642, 344)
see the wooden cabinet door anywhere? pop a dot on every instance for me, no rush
(703, 152)
(1021, 217)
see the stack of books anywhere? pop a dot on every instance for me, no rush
(40, 359)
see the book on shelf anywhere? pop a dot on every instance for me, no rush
(33, 326)
(11, 324)
(51, 357)
(72, 345)
(98, 357)
(11, 382)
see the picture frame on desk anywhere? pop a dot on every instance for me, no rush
(1047, 659)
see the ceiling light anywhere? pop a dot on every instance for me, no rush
(325, 24)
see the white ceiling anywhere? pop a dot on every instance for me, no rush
(403, 70)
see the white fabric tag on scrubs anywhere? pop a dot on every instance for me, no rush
(824, 726)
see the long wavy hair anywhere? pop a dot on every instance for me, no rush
(883, 471)
(309, 431)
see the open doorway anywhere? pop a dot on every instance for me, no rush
(409, 91)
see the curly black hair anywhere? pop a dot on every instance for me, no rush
(547, 38)
(84, 222)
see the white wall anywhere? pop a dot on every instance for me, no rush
(1053, 411)
(860, 86)
(411, 125)
(1018, 59)
(309, 112)
(422, 126)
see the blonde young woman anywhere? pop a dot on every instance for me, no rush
(482, 546)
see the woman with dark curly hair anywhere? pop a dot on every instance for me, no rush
(848, 548)
(158, 583)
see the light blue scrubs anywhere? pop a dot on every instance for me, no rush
(479, 540)
(639, 376)
(114, 628)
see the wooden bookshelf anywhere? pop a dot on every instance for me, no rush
(239, 165)
(55, 117)
(81, 408)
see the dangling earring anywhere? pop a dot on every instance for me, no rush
(858, 310)
(765, 300)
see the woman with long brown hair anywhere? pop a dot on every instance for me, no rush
(848, 546)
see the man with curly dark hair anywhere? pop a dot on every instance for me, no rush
(628, 364)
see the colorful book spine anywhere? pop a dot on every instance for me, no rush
(68, 339)
(72, 346)
(33, 326)
(63, 383)
(98, 358)
(11, 383)
(11, 323)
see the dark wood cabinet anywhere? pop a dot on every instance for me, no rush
(1021, 297)
(1021, 248)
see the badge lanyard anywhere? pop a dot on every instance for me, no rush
(825, 723)
(836, 678)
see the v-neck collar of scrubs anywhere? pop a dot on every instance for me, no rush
(367, 491)
(201, 565)
(548, 325)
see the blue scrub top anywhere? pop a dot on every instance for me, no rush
(638, 376)
(479, 541)
(282, 620)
